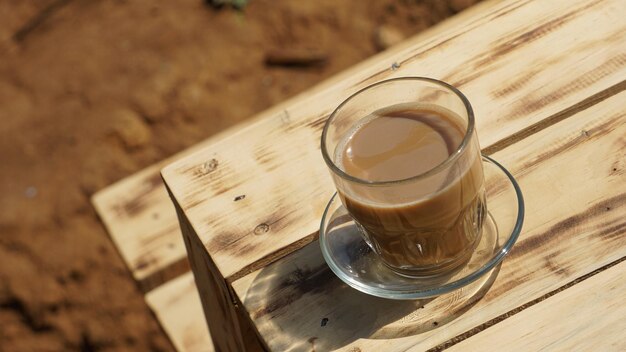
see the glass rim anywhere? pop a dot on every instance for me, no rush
(451, 158)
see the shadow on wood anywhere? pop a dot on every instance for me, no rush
(351, 315)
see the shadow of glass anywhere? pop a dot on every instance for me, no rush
(298, 304)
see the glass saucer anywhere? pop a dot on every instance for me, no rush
(353, 261)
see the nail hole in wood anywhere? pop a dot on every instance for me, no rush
(324, 322)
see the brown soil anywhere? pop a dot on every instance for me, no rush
(93, 91)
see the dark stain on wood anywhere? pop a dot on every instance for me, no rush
(194, 202)
(556, 118)
(569, 224)
(132, 207)
(267, 158)
(559, 270)
(536, 100)
(273, 256)
(318, 122)
(218, 183)
(165, 274)
(233, 245)
(144, 262)
(612, 232)
(532, 35)
(223, 186)
(298, 283)
(507, 284)
(587, 135)
(517, 84)
(450, 78)
(163, 233)
(548, 240)
(483, 63)
(242, 245)
(312, 342)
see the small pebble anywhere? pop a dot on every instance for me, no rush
(31, 192)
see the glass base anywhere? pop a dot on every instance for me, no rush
(353, 261)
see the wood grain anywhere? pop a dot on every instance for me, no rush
(515, 71)
(177, 306)
(573, 175)
(586, 317)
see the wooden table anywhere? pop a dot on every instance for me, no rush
(547, 81)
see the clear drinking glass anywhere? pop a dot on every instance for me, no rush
(428, 224)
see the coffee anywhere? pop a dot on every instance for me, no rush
(425, 226)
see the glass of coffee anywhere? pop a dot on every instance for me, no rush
(405, 159)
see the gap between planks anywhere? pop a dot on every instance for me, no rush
(555, 118)
(469, 333)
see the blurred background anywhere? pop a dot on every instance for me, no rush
(92, 91)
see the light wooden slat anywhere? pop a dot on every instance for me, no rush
(573, 175)
(141, 220)
(519, 63)
(586, 317)
(138, 213)
(177, 307)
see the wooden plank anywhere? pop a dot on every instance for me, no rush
(221, 315)
(141, 220)
(573, 175)
(177, 307)
(139, 214)
(516, 72)
(586, 317)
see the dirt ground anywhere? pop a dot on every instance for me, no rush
(93, 91)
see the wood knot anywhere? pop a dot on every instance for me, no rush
(261, 229)
(209, 166)
(585, 133)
